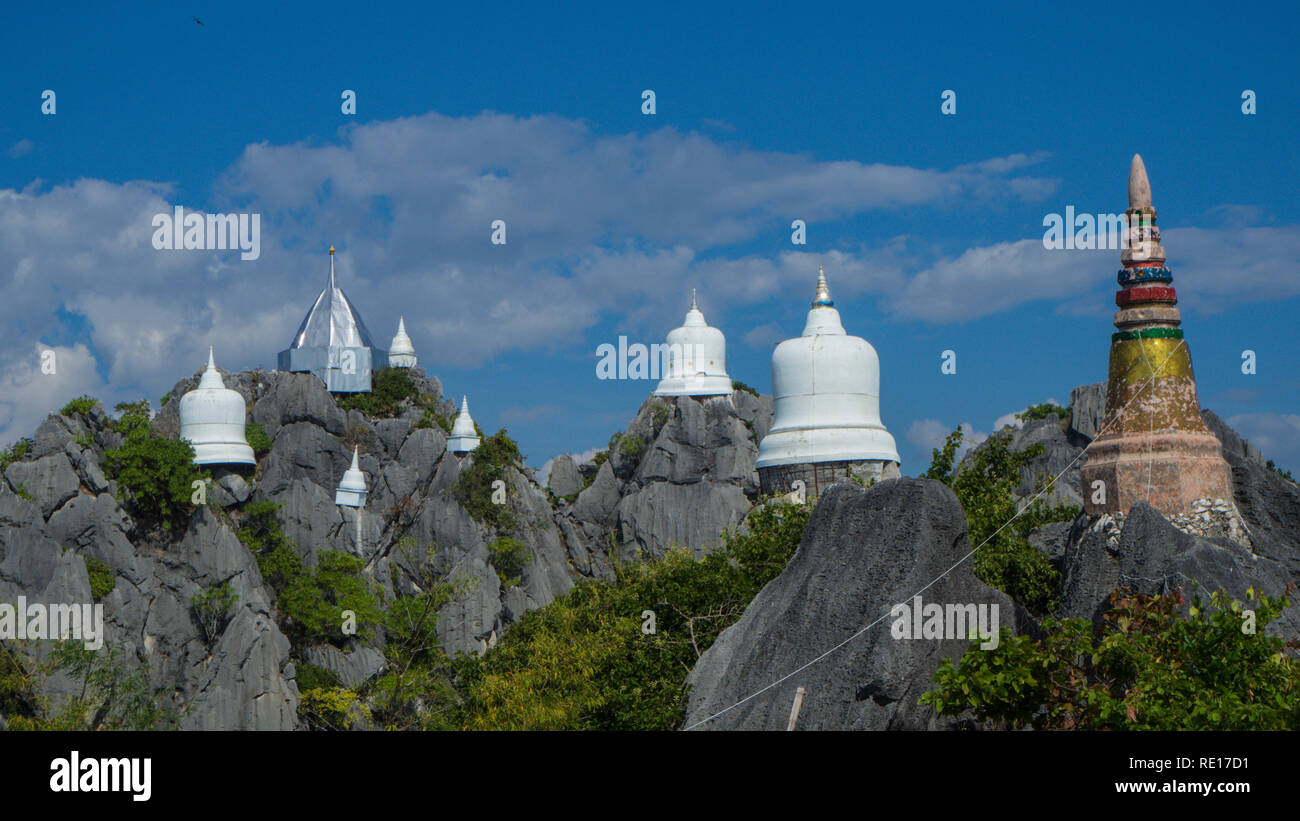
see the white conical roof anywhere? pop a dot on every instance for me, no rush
(826, 387)
(212, 421)
(332, 321)
(352, 487)
(463, 436)
(696, 360)
(401, 353)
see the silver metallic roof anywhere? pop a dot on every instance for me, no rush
(332, 321)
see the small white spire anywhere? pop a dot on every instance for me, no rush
(694, 307)
(355, 464)
(401, 324)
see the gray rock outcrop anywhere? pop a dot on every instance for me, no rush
(862, 552)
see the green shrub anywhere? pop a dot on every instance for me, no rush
(737, 385)
(1043, 411)
(14, 453)
(80, 406)
(102, 580)
(85, 441)
(22, 493)
(508, 556)
(257, 439)
(211, 607)
(133, 420)
(474, 487)
(310, 677)
(312, 604)
(390, 387)
(159, 474)
(1285, 474)
(660, 415)
(1147, 667)
(631, 446)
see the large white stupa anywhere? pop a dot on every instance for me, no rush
(352, 490)
(333, 343)
(212, 420)
(401, 353)
(826, 386)
(463, 437)
(697, 359)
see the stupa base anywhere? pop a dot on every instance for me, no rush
(1169, 470)
(818, 476)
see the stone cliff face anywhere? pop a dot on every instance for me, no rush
(690, 477)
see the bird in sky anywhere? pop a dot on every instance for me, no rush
(197, 20)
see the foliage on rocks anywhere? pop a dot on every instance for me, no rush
(1147, 667)
(985, 487)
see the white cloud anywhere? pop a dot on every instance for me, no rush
(929, 434)
(28, 395)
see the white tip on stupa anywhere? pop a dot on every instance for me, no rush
(463, 437)
(1139, 187)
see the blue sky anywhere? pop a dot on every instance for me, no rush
(929, 226)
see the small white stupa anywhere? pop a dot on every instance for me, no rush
(352, 488)
(826, 390)
(697, 359)
(463, 437)
(212, 420)
(401, 353)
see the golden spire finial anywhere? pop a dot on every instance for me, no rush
(331, 250)
(823, 297)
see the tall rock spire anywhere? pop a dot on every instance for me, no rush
(1154, 446)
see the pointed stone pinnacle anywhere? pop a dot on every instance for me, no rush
(355, 465)
(1139, 187)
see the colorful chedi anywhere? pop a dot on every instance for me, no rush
(1154, 446)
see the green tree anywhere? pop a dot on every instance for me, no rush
(985, 486)
(158, 473)
(1147, 667)
(211, 606)
(473, 489)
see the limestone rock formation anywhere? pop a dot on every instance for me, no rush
(862, 552)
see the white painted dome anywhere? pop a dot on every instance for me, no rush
(697, 359)
(463, 437)
(401, 353)
(212, 420)
(826, 387)
(352, 488)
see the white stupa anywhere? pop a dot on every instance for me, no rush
(827, 426)
(352, 487)
(697, 359)
(401, 353)
(212, 420)
(463, 437)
